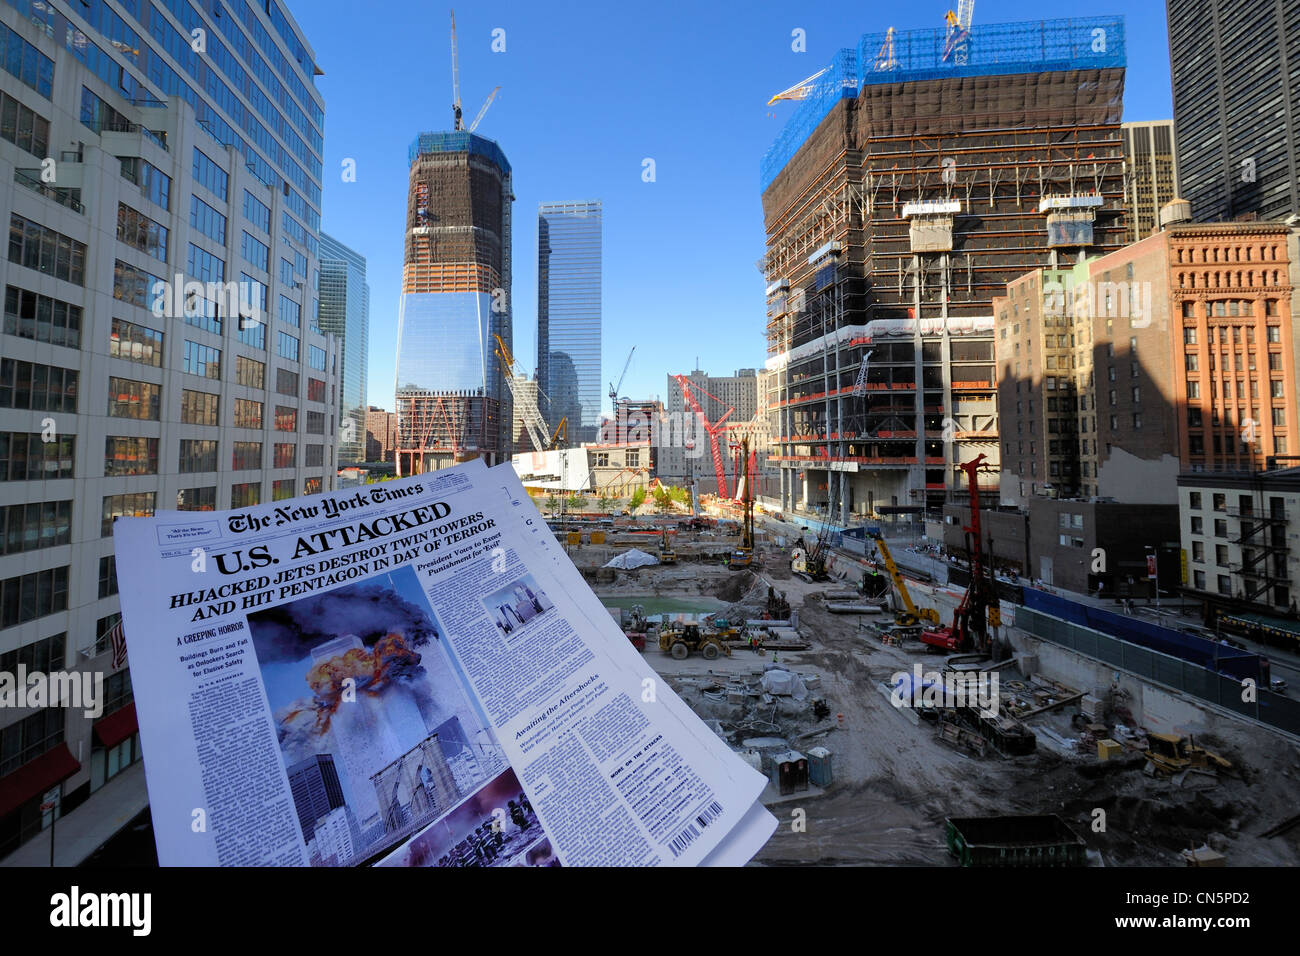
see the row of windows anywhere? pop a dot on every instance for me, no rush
(27, 597)
(131, 399)
(257, 212)
(202, 360)
(1266, 253)
(34, 246)
(1273, 333)
(25, 128)
(37, 388)
(29, 315)
(135, 286)
(255, 252)
(27, 456)
(204, 266)
(40, 656)
(153, 182)
(25, 740)
(199, 408)
(139, 456)
(29, 527)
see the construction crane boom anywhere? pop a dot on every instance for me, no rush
(526, 403)
(455, 77)
(800, 91)
(614, 389)
(713, 429)
(483, 112)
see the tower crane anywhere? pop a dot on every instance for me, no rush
(614, 389)
(483, 112)
(526, 404)
(714, 429)
(956, 46)
(800, 91)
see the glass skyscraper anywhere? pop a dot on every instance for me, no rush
(568, 315)
(345, 312)
(1235, 66)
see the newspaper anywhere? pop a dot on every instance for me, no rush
(407, 674)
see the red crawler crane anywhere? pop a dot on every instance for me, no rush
(714, 429)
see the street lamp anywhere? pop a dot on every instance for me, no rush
(1153, 570)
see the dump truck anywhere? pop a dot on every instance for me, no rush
(1170, 754)
(1014, 841)
(681, 640)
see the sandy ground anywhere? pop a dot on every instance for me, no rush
(896, 782)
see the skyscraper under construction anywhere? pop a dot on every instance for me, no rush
(917, 176)
(452, 400)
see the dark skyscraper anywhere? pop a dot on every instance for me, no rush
(345, 311)
(316, 790)
(568, 315)
(1234, 66)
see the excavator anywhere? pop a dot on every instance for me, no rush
(909, 618)
(666, 553)
(810, 564)
(979, 610)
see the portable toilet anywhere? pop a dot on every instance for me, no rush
(790, 772)
(819, 767)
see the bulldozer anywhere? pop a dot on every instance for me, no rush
(680, 641)
(1171, 754)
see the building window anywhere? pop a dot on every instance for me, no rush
(282, 489)
(290, 312)
(255, 252)
(209, 175)
(26, 456)
(285, 456)
(130, 456)
(245, 496)
(286, 419)
(286, 382)
(1198, 579)
(1225, 584)
(311, 486)
(199, 408)
(315, 390)
(30, 527)
(257, 212)
(27, 597)
(316, 358)
(25, 740)
(1220, 527)
(207, 220)
(138, 231)
(154, 184)
(315, 423)
(197, 455)
(1197, 524)
(247, 456)
(197, 499)
(137, 505)
(1137, 419)
(202, 360)
(1219, 502)
(250, 373)
(34, 246)
(1193, 390)
(287, 346)
(25, 128)
(45, 655)
(41, 318)
(131, 399)
(248, 413)
(314, 456)
(1198, 551)
(136, 343)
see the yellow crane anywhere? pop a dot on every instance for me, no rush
(911, 616)
(800, 91)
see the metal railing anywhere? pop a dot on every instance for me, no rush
(69, 198)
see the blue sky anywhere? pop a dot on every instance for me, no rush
(589, 91)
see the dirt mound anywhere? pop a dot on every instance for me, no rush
(735, 587)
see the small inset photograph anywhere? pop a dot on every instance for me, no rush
(540, 853)
(517, 604)
(495, 826)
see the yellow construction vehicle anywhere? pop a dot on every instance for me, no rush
(1171, 754)
(911, 616)
(666, 554)
(680, 640)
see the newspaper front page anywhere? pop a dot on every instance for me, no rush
(396, 674)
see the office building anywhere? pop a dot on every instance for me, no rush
(1151, 167)
(453, 403)
(160, 346)
(568, 316)
(1235, 67)
(314, 784)
(345, 313)
(903, 194)
(381, 434)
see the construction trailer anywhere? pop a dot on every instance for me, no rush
(905, 191)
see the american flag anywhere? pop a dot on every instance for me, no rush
(118, 640)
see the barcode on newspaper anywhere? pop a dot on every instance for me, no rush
(708, 814)
(683, 840)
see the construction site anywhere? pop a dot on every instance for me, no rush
(903, 720)
(919, 173)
